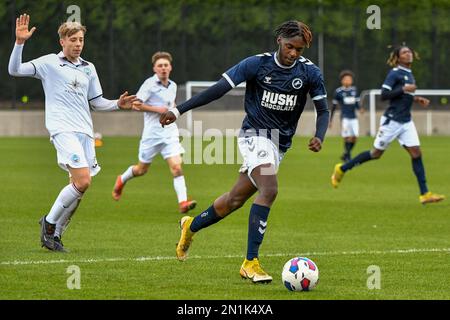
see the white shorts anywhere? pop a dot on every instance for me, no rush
(257, 151)
(350, 127)
(405, 133)
(168, 147)
(75, 150)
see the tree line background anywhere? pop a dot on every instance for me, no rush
(206, 37)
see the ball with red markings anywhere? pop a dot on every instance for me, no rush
(300, 274)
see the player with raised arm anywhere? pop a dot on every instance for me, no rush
(276, 92)
(157, 95)
(396, 122)
(70, 85)
(346, 97)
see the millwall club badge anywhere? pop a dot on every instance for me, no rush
(297, 83)
(262, 154)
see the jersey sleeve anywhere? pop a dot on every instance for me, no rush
(40, 66)
(357, 99)
(144, 91)
(95, 88)
(390, 81)
(317, 89)
(335, 97)
(243, 71)
(172, 103)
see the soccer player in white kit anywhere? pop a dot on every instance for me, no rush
(70, 84)
(157, 95)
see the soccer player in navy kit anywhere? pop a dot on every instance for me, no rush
(347, 98)
(276, 93)
(396, 122)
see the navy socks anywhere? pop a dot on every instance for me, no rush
(256, 226)
(256, 229)
(359, 159)
(205, 219)
(419, 171)
(348, 146)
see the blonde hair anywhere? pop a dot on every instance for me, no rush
(68, 29)
(161, 55)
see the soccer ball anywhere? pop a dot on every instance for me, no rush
(300, 274)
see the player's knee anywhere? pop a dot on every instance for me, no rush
(83, 183)
(176, 170)
(376, 154)
(139, 171)
(269, 194)
(415, 152)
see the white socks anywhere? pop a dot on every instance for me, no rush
(127, 175)
(63, 221)
(68, 195)
(180, 188)
(178, 183)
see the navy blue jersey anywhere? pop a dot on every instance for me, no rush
(348, 100)
(400, 107)
(275, 95)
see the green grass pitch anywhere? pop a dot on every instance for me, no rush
(125, 249)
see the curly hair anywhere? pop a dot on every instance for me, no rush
(395, 54)
(293, 28)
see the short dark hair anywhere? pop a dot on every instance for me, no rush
(293, 28)
(346, 73)
(161, 55)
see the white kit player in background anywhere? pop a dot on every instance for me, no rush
(70, 85)
(157, 95)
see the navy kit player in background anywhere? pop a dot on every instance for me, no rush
(277, 87)
(346, 96)
(396, 122)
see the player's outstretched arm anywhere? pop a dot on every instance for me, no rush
(140, 106)
(212, 93)
(124, 102)
(22, 32)
(16, 67)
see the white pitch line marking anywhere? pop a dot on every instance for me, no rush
(162, 258)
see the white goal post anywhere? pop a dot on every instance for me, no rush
(198, 84)
(372, 107)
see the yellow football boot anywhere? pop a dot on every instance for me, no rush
(251, 269)
(185, 239)
(337, 176)
(430, 197)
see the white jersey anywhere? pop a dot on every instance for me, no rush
(153, 93)
(68, 89)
